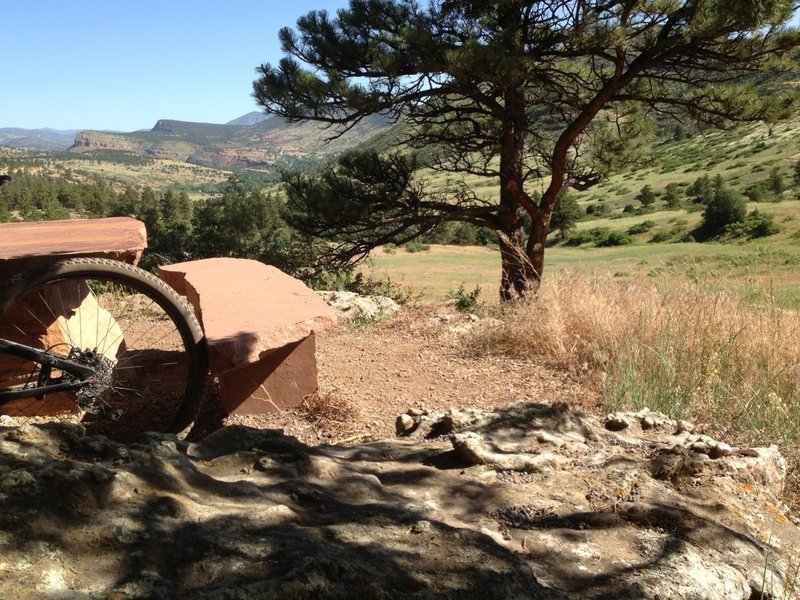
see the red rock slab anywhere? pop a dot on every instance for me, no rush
(24, 245)
(247, 309)
(72, 237)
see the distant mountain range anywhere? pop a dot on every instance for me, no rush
(254, 140)
(37, 139)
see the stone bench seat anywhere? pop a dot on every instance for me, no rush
(259, 325)
(25, 245)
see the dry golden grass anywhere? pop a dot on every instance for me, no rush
(331, 412)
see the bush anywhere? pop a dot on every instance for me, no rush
(615, 238)
(755, 225)
(754, 193)
(600, 237)
(465, 301)
(642, 227)
(588, 236)
(724, 208)
(416, 247)
(597, 209)
(661, 236)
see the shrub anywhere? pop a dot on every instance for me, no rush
(615, 238)
(600, 237)
(661, 236)
(416, 247)
(465, 301)
(723, 208)
(755, 225)
(597, 209)
(642, 227)
(588, 236)
(754, 193)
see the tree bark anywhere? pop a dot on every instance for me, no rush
(518, 277)
(540, 227)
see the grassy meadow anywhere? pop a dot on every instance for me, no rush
(752, 270)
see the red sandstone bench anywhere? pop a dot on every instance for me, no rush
(259, 322)
(24, 245)
(259, 325)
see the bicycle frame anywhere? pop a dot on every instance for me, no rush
(45, 384)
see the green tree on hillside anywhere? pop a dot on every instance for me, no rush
(566, 215)
(776, 184)
(244, 225)
(646, 196)
(725, 207)
(701, 191)
(530, 93)
(672, 195)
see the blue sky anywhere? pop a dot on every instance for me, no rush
(123, 64)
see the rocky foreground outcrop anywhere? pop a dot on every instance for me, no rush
(530, 501)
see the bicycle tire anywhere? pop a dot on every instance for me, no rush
(155, 346)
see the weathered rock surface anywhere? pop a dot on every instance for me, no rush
(530, 501)
(352, 306)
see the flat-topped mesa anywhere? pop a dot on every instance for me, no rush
(259, 324)
(26, 245)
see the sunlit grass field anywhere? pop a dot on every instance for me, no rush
(751, 270)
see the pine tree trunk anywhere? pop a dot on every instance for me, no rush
(519, 278)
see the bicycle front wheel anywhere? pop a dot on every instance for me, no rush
(141, 337)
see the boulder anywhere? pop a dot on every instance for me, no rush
(350, 306)
(259, 324)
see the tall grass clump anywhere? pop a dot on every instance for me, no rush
(686, 350)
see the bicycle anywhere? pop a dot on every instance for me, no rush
(106, 336)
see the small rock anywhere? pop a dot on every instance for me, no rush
(421, 526)
(720, 449)
(545, 437)
(648, 423)
(684, 427)
(405, 424)
(617, 421)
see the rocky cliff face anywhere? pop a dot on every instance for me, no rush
(530, 501)
(99, 140)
